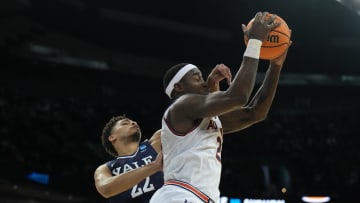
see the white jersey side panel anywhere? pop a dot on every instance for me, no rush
(195, 157)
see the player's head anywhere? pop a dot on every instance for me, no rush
(183, 78)
(119, 129)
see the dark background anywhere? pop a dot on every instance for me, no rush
(67, 66)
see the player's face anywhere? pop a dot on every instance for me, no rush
(127, 130)
(193, 82)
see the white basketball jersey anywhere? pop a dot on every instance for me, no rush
(194, 157)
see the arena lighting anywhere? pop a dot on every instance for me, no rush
(225, 199)
(55, 55)
(353, 5)
(315, 199)
(235, 200)
(263, 201)
(42, 178)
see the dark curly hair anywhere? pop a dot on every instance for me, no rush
(106, 132)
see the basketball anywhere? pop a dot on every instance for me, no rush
(276, 42)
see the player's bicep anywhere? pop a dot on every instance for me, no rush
(216, 103)
(194, 106)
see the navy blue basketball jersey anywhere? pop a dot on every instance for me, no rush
(142, 192)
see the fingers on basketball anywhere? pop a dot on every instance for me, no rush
(277, 41)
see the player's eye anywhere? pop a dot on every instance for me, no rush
(125, 123)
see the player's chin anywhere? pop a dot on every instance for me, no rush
(136, 135)
(205, 92)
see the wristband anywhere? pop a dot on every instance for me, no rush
(253, 48)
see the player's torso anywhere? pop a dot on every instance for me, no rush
(195, 157)
(143, 191)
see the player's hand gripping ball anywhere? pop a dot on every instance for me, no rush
(277, 41)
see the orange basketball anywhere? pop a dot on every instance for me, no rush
(277, 41)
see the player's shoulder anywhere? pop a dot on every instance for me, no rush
(101, 168)
(155, 140)
(155, 136)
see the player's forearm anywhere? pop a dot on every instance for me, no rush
(264, 97)
(122, 182)
(244, 81)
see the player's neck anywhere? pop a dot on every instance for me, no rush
(127, 149)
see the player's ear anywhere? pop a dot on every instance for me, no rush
(111, 138)
(178, 87)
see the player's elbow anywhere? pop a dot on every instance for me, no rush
(104, 191)
(242, 101)
(256, 115)
(260, 116)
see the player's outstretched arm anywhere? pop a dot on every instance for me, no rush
(259, 106)
(194, 106)
(108, 185)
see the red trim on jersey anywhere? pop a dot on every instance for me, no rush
(190, 188)
(196, 124)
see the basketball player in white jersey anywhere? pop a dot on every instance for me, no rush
(194, 124)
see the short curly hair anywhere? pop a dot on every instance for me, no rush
(106, 132)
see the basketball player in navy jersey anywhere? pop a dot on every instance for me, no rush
(194, 124)
(136, 172)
